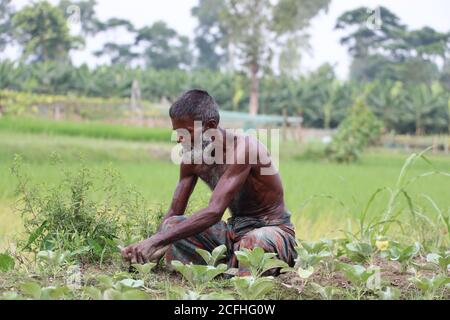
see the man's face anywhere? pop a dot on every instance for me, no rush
(190, 136)
(186, 130)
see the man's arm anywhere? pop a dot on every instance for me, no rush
(183, 191)
(227, 187)
(229, 184)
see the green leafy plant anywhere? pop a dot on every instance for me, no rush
(7, 262)
(185, 294)
(430, 286)
(441, 260)
(258, 261)
(403, 254)
(389, 293)
(198, 276)
(144, 269)
(11, 295)
(65, 218)
(326, 293)
(360, 129)
(359, 251)
(309, 255)
(306, 260)
(214, 257)
(109, 289)
(34, 291)
(251, 288)
(362, 278)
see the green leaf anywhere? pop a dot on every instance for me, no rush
(390, 294)
(305, 273)
(93, 293)
(274, 264)
(218, 254)
(251, 288)
(6, 262)
(31, 289)
(11, 295)
(144, 269)
(32, 238)
(205, 255)
(54, 293)
(131, 283)
(135, 295)
(112, 294)
(105, 282)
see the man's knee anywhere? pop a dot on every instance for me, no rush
(271, 239)
(255, 238)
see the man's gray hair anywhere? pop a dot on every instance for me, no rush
(197, 104)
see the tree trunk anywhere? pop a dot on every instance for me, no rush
(254, 95)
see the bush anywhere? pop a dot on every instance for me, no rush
(90, 222)
(360, 129)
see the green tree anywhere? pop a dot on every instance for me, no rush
(119, 53)
(425, 108)
(210, 38)
(360, 129)
(364, 40)
(42, 31)
(6, 13)
(389, 51)
(253, 26)
(164, 47)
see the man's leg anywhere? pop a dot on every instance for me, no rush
(184, 250)
(279, 240)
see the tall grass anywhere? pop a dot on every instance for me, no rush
(84, 129)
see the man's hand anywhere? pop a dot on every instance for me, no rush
(146, 251)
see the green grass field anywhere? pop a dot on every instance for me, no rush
(322, 196)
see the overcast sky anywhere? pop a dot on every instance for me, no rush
(324, 39)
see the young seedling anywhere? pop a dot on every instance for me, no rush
(198, 276)
(430, 286)
(184, 294)
(34, 291)
(389, 294)
(311, 258)
(10, 295)
(326, 293)
(362, 278)
(53, 260)
(404, 255)
(251, 288)
(441, 260)
(108, 289)
(258, 261)
(144, 269)
(359, 252)
(213, 258)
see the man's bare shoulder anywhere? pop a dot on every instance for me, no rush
(255, 151)
(188, 169)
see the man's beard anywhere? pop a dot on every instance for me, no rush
(194, 155)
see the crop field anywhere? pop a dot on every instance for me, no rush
(388, 211)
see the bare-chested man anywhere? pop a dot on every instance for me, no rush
(228, 165)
